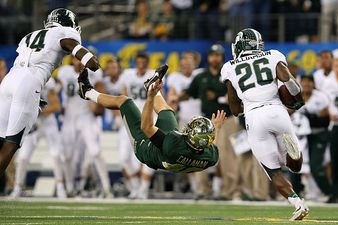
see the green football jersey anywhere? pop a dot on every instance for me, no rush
(175, 155)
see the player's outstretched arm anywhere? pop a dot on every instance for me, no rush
(81, 53)
(218, 120)
(284, 75)
(147, 120)
(235, 102)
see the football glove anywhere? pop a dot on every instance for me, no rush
(84, 84)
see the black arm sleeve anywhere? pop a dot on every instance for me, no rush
(157, 139)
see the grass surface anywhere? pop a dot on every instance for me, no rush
(54, 212)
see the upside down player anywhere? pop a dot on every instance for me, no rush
(161, 146)
(39, 53)
(251, 78)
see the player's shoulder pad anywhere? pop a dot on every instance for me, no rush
(225, 72)
(65, 33)
(277, 56)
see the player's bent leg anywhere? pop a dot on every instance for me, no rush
(132, 117)
(111, 102)
(160, 104)
(166, 120)
(284, 187)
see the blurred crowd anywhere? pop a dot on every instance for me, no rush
(277, 20)
(76, 149)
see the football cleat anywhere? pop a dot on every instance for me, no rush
(300, 212)
(291, 147)
(84, 84)
(159, 74)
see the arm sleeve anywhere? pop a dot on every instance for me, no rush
(157, 139)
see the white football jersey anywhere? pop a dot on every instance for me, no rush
(74, 105)
(134, 85)
(330, 87)
(113, 88)
(41, 50)
(316, 103)
(319, 78)
(191, 107)
(254, 78)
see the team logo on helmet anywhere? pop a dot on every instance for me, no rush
(62, 18)
(247, 42)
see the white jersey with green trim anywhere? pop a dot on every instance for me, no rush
(41, 50)
(134, 84)
(254, 78)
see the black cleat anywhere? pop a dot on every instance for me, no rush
(159, 74)
(84, 84)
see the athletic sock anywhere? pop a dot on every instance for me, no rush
(294, 200)
(58, 165)
(92, 95)
(144, 189)
(69, 177)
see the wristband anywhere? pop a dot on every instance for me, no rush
(76, 49)
(86, 58)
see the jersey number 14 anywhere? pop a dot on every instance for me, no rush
(38, 42)
(246, 70)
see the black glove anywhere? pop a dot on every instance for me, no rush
(84, 84)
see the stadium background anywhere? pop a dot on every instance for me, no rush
(293, 27)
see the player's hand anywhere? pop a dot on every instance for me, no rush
(218, 119)
(154, 88)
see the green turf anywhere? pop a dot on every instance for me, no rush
(13, 212)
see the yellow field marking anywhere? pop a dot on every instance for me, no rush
(269, 219)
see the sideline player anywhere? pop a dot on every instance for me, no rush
(251, 78)
(40, 52)
(160, 145)
(45, 127)
(75, 132)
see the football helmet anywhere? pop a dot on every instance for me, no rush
(62, 18)
(200, 133)
(247, 42)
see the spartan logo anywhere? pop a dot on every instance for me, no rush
(71, 16)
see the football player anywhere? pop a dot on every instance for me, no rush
(40, 52)
(45, 127)
(161, 145)
(251, 78)
(76, 133)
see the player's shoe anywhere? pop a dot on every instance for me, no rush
(84, 84)
(291, 147)
(300, 212)
(158, 75)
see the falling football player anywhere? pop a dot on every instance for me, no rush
(161, 145)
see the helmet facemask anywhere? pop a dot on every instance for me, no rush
(200, 133)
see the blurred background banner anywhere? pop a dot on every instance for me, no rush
(303, 55)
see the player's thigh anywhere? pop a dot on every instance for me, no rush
(166, 121)
(263, 143)
(24, 108)
(132, 118)
(68, 138)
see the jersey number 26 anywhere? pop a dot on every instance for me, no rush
(246, 70)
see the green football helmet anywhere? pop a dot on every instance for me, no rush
(62, 18)
(247, 42)
(200, 133)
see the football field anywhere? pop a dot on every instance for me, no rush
(31, 211)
